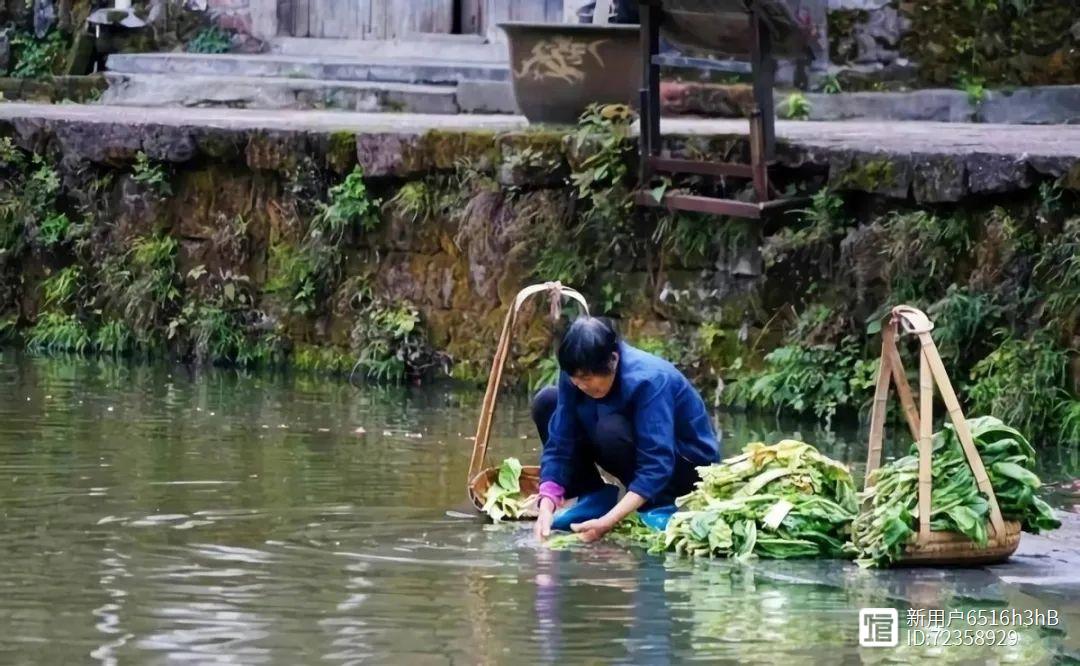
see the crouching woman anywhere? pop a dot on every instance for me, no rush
(627, 411)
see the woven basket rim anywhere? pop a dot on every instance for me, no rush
(478, 485)
(955, 548)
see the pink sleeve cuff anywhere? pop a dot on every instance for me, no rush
(552, 491)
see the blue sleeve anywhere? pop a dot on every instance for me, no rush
(557, 451)
(654, 428)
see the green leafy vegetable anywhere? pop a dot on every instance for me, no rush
(504, 499)
(510, 475)
(779, 501)
(881, 532)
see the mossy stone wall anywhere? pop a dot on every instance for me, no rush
(398, 254)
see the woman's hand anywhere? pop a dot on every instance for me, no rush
(593, 530)
(542, 528)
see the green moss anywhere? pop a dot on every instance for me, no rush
(869, 176)
(341, 152)
(547, 141)
(445, 149)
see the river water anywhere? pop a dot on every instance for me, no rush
(152, 515)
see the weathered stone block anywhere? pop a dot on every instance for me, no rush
(531, 158)
(220, 144)
(388, 154)
(928, 105)
(406, 231)
(1051, 165)
(696, 296)
(485, 97)
(988, 173)
(274, 150)
(938, 178)
(877, 173)
(104, 143)
(446, 149)
(169, 144)
(1043, 105)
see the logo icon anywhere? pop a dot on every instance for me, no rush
(878, 627)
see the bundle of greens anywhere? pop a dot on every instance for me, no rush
(632, 531)
(504, 499)
(780, 501)
(889, 518)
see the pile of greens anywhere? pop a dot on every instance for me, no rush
(503, 499)
(889, 518)
(779, 501)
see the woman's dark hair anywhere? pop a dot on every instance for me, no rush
(587, 347)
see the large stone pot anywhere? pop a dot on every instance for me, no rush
(560, 68)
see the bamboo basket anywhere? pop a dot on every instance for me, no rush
(928, 547)
(481, 478)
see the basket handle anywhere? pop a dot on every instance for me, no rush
(931, 372)
(502, 352)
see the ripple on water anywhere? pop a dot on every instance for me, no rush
(217, 517)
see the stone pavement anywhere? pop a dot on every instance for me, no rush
(255, 119)
(931, 162)
(863, 136)
(1059, 140)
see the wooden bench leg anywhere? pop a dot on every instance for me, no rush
(758, 164)
(763, 66)
(650, 92)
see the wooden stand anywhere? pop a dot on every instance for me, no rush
(762, 126)
(929, 547)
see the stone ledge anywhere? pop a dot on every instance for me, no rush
(933, 162)
(54, 89)
(1039, 105)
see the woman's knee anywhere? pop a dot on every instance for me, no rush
(543, 406)
(614, 445)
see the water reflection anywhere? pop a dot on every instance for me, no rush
(152, 515)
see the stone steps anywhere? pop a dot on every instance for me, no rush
(329, 68)
(239, 92)
(282, 81)
(1036, 105)
(456, 48)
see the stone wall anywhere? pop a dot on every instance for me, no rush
(942, 42)
(461, 221)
